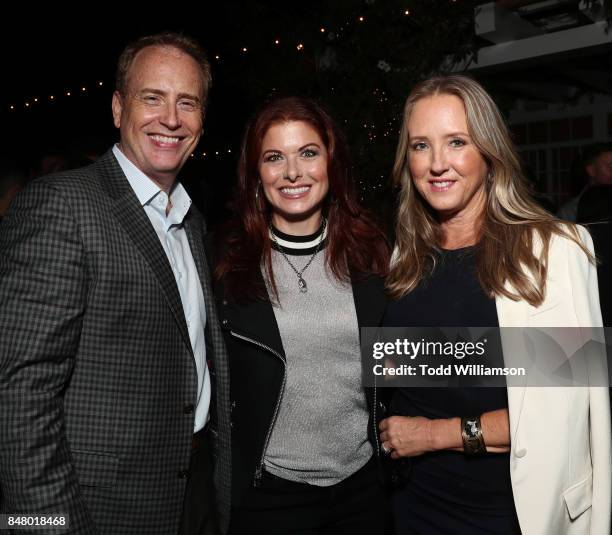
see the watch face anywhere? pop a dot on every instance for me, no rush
(471, 427)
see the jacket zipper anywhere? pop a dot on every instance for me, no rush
(374, 420)
(259, 469)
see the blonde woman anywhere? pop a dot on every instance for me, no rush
(473, 249)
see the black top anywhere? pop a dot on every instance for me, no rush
(255, 353)
(453, 297)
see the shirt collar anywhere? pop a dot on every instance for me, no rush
(146, 190)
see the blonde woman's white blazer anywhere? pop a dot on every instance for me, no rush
(560, 459)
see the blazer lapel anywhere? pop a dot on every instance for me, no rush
(195, 229)
(514, 316)
(128, 211)
(193, 224)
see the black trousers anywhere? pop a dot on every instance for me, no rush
(358, 505)
(199, 508)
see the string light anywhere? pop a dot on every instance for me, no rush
(299, 47)
(204, 154)
(244, 49)
(50, 98)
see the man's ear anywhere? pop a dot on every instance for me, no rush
(590, 170)
(117, 106)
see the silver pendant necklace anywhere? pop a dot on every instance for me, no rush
(301, 281)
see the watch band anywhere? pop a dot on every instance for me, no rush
(471, 433)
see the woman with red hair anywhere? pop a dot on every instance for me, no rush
(298, 273)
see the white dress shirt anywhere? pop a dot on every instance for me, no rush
(172, 236)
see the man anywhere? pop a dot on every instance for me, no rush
(598, 170)
(107, 324)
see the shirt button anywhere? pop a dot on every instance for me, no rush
(225, 322)
(188, 408)
(183, 474)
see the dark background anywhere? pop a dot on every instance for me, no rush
(361, 66)
(50, 52)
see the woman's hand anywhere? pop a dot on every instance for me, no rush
(406, 436)
(409, 436)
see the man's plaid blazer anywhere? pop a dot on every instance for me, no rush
(97, 375)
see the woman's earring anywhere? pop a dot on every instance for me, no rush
(258, 202)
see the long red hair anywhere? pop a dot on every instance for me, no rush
(356, 245)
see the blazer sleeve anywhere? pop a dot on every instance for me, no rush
(43, 284)
(586, 302)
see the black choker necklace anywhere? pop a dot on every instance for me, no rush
(305, 240)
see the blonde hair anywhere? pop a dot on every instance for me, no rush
(512, 223)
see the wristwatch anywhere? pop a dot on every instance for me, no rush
(471, 433)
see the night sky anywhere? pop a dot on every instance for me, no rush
(50, 52)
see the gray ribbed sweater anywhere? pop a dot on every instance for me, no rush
(320, 434)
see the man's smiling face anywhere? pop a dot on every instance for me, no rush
(160, 116)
